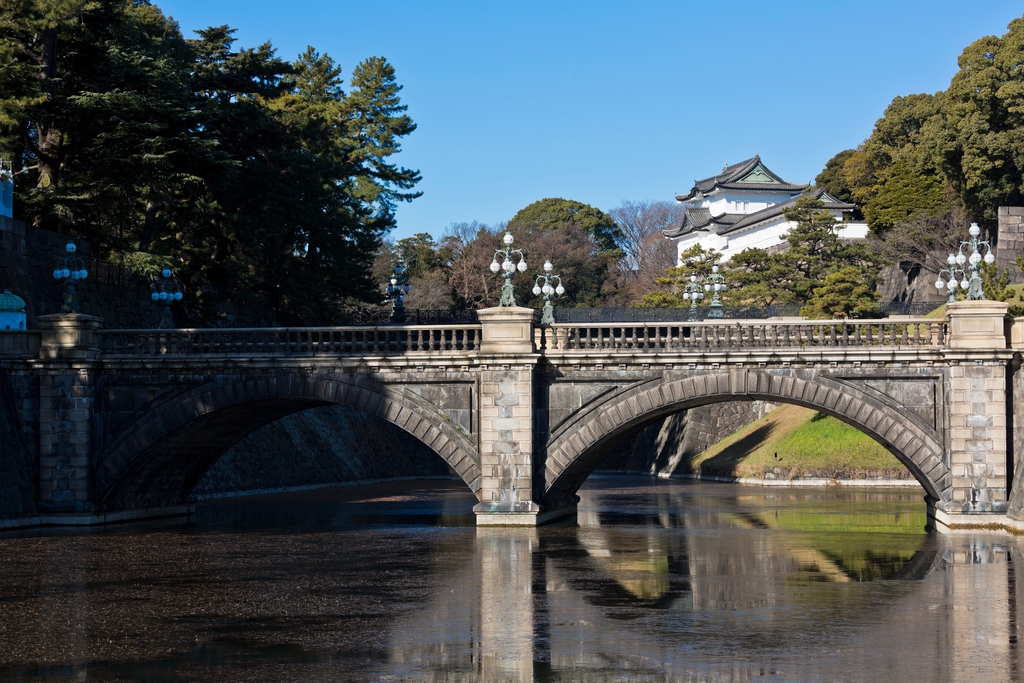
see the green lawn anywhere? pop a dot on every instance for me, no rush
(796, 442)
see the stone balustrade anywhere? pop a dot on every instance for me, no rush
(19, 344)
(306, 341)
(763, 334)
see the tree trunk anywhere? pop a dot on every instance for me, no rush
(50, 137)
(147, 227)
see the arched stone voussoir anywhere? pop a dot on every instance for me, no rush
(163, 453)
(575, 447)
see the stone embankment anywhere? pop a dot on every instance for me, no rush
(677, 447)
(328, 446)
(666, 448)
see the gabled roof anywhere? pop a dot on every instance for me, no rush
(751, 174)
(701, 219)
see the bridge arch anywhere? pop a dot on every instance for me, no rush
(158, 459)
(575, 448)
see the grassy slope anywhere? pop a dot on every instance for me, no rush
(792, 442)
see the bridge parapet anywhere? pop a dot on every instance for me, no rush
(20, 344)
(303, 341)
(746, 335)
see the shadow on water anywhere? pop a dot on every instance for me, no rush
(401, 504)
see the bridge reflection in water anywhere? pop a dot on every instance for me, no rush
(719, 583)
(661, 581)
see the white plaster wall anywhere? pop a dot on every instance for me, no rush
(7, 198)
(762, 236)
(12, 321)
(854, 231)
(726, 202)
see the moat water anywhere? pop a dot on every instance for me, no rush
(660, 581)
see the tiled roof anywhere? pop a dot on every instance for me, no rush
(729, 176)
(701, 219)
(829, 202)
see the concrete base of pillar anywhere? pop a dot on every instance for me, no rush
(491, 515)
(942, 522)
(72, 519)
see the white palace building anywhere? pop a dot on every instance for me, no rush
(742, 207)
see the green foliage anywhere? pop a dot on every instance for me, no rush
(147, 265)
(695, 261)
(757, 278)
(659, 298)
(420, 254)
(263, 181)
(906, 193)
(983, 154)
(551, 213)
(833, 179)
(843, 294)
(969, 138)
(996, 285)
(793, 275)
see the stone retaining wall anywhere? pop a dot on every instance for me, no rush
(1010, 240)
(17, 460)
(28, 257)
(667, 447)
(329, 445)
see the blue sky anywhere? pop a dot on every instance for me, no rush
(609, 101)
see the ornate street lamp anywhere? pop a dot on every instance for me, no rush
(166, 292)
(973, 262)
(952, 273)
(692, 292)
(715, 283)
(508, 294)
(71, 269)
(397, 289)
(548, 317)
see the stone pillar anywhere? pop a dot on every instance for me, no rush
(1016, 417)
(978, 359)
(68, 358)
(508, 363)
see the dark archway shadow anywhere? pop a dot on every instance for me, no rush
(579, 445)
(158, 458)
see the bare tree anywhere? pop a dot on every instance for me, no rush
(642, 224)
(472, 246)
(648, 253)
(430, 292)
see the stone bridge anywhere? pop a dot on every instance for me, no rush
(127, 421)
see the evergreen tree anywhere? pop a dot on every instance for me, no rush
(262, 182)
(843, 294)
(553, 212)
(693, 261)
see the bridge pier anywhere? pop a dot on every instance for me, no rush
(508, 370)
(978, 413)
(69, 351)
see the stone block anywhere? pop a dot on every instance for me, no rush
(978, 421)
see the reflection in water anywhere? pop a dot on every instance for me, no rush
(661, 581)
